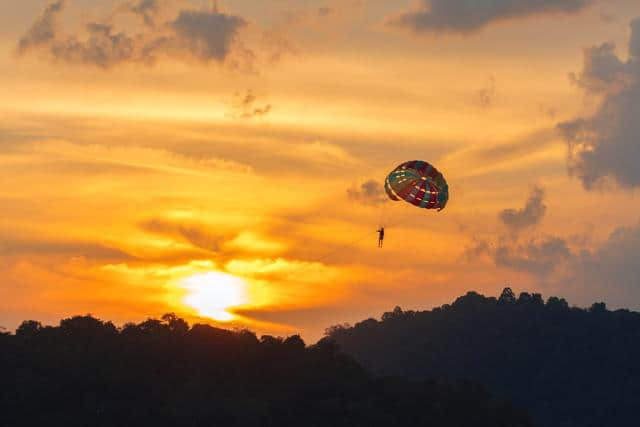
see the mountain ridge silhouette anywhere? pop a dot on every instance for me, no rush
(568, 366)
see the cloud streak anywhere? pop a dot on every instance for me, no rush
(90, 250)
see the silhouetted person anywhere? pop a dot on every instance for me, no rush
(380, 236)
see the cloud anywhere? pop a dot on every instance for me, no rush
(606, 145)
(532, 213)
(369, 193)
(602, 70)
(539, 258)
(244, 106)
(611, 271)
(467, 16)
(103, 48)
(195, 235)
(147, 9)
(208, 35)
(608, 272)
(43, 30)
(204, 35)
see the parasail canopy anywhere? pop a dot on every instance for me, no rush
(418, 183)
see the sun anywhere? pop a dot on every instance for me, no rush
(213, 294)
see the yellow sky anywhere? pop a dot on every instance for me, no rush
(119, 184)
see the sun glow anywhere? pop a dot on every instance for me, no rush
(213, 294)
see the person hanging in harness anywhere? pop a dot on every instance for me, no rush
(380, 236)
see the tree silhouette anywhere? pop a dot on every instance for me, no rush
(161, 372)
(28, 328)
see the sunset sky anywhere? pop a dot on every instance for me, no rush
(224, 160)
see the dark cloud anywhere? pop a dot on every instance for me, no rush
(602, 71)
(634, 42)
(539, 258)
(43, 30)
(607, 144)
(204, 35)
(530, 215)
(466, 16)
(208, 35)
(369, 193)
(147, 9)
(102, 48)
(612, 272)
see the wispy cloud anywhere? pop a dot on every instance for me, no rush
(63, 247)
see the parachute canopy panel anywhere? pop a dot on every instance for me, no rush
(418, 183)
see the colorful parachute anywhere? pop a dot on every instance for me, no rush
(418, 183)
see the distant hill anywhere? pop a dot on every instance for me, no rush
(158, 373)
(569, 366)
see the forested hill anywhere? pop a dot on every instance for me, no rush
(86, 372)
(569, 366)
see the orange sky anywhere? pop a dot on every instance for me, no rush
(197, 158)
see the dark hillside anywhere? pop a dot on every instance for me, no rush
(569, 366)
(158, 373)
